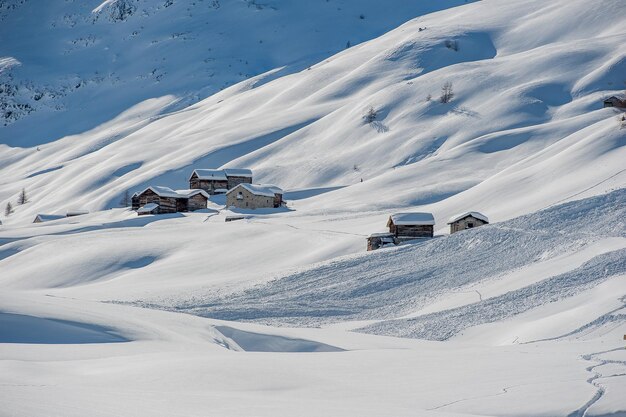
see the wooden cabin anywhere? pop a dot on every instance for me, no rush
(236, 176)
(407, 226)
(209, 180)
(381, 240)
(219, 181)
(254, 196)
(170, 201)
(467, 220)
(614, 102)
(41, 218)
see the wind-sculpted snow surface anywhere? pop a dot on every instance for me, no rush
(389, 284)
(446, 324)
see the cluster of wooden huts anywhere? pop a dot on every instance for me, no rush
(235, 183)
(417, 225)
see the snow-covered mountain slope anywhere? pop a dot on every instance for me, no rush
(524, 130)
(437, 288)
(535, 305)
(525, 316)
(68, 66)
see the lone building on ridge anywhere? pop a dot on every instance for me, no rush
(467, 220)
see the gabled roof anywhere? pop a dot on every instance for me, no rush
(474, 214)
(162, 191)
(191, 193)
(238, 172)
(210, 174)
(410, 219)
(259, 189)
(148, 208)
(48, 217)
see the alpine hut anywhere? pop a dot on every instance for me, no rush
(236, 176)
(41, 218)
(467, 220)
(614, 102)
(171, 201)
(407, 226)
(213, 181)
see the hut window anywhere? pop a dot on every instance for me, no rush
(240, 197)
(470, 225)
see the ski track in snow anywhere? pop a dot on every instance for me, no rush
(594, 379)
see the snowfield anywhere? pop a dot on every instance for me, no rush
(284, 313)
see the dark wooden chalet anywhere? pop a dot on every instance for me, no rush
(213, 181)
(614, 102)
(407, 226)
(170, 201)
(467, 220)
(236, 176)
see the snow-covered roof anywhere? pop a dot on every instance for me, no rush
(474, 214)
(210, 174)
(148, 208)
(191, 193)
(259, 189)
(71, 213)
(381, 234)
(48, 217)
(274, 188)
(238, 172)
(420, 219)
(162, 191)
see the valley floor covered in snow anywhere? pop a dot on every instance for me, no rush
(283, 312)
(523, 317)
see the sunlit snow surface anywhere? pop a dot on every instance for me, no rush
(283, 312)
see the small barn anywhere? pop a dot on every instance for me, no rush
(170, 201)
(150, 208)
(254, 196)
(614, 102)
(467, 220)
(41, 218)
(407, 226)
(381, 240)
(209, 180)
(236, 176)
